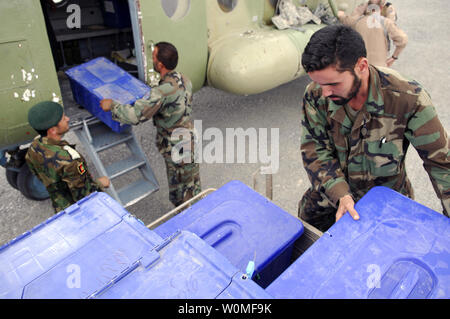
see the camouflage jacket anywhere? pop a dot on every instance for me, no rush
(62, 170)
(170, 106)
(341, 158)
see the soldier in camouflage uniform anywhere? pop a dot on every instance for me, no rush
(358, 121)
(170, 106)
(55, 162)
(387, 9)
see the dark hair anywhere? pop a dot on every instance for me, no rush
(336, 45)
(167, 55)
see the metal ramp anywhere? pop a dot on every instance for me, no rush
(97, 137)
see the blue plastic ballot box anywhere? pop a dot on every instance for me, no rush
(54, 258)
(244, 227)
(96, 249)
(116, 13)
(100, 79)
(398, 249)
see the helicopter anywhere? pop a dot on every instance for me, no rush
(231, 45)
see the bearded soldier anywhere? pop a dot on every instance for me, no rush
(358, 121)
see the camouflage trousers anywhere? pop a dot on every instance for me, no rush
(183, 180)
(316, 209)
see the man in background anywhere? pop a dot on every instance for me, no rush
(375, 21)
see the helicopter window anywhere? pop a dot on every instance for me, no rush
(227, 5)
(176, 9)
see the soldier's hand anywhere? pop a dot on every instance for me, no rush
(106, 104)
(346, 204)
(390, 61)
(104, 181)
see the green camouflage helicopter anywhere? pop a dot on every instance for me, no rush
(231, 45)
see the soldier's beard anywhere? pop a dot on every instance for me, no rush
(353, 92)
(155, 67)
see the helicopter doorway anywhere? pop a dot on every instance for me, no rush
(81, 30)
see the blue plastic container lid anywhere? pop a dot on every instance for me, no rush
(58, 258)
(240, 223)
(100, 79)
(184, 267)
(398, 249)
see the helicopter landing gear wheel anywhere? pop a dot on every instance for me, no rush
(11, 177)
(30, 186)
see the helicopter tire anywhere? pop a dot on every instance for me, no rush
(11, 177)
(30, 186)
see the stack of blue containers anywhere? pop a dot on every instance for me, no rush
(101, 79)
(243, 226)
(96, 249)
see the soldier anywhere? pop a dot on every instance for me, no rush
(375, 21)
(170, 106)
(358, 121)
(55, 162)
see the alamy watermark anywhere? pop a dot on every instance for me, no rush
(73, 21)
(74, 278)
(229, 148)
(374, 279)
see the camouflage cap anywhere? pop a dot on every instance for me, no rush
(44, 115)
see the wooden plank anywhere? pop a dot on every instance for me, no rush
(309, 237)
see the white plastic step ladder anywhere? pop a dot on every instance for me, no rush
(97, 137)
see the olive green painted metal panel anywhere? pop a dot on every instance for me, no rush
(344, 5)
(257, 60)
(27, 71)
(269, 11)
(181, 22)
(248, 55)
(244, 15)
